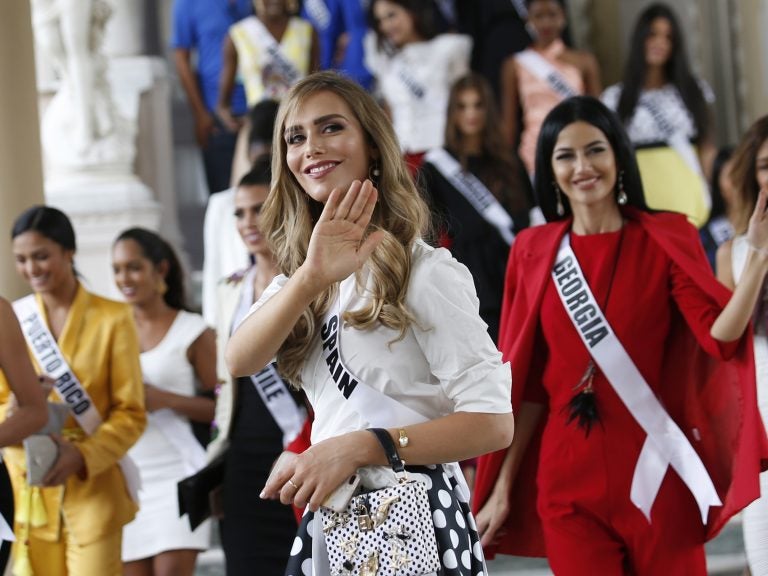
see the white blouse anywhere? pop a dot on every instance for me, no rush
(642, 128)
(446, 362)
(415, 82)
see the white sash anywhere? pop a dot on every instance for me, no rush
(380, 410)
(474, 191)
(318, 11)
(277, 398)
(540, 67)
(272, 50)
(413, 85)
(69, 389)
(274, 392)
(665, 443)
(678, 142)
(520, 8)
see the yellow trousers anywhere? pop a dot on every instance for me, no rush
(67, 558)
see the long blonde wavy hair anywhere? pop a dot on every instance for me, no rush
(289, 215)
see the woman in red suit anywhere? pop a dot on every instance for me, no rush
(637, 432)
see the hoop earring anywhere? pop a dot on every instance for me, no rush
(374, 171)
(559, 208)
(621, 197)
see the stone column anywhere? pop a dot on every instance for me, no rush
(21, 171)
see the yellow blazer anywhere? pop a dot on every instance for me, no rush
(100, 344)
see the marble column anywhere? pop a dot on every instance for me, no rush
(21, 172)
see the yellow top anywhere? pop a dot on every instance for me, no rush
(100, 344)
(260, 76)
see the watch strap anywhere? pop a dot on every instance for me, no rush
(389, 449)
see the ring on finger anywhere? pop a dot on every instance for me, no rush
(292, 483)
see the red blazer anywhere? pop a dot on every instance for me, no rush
(717, 398)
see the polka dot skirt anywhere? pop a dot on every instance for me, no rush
(458, 542)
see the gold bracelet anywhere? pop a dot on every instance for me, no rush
(403, 438)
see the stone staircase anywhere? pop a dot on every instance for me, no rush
(725, 557)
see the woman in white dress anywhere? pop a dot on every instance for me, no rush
(750, 175)
(178, 350)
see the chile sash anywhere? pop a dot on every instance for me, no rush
(274, 392)
(474, 191)
(69, 389)
(665, 444)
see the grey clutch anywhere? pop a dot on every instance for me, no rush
(41, 452)
(57, 415)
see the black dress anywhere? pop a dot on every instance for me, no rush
(256, 534)
(472, 240)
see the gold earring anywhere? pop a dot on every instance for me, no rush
(161, 287)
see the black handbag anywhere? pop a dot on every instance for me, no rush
(200, 494)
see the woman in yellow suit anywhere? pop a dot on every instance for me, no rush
(73, 525)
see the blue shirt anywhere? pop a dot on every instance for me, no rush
(203, 25)
(337, 17)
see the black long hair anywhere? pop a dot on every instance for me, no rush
(50, 222)
(592, 111)
(677, 70)
(155, 249)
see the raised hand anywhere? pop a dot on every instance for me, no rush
(338, 246)
(757, 233)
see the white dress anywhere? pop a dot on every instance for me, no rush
(756, 514)
(167, 451)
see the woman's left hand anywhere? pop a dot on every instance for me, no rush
(757, 233)
(312, 476)
(70, 461)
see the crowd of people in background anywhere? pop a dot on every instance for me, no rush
(449, 185)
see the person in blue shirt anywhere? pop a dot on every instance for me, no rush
(200, 26)
(341, 26)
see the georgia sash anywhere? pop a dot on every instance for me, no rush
(46, 351)
(665, 444)
(474, 191)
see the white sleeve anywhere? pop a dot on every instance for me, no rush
(611, 95)
(373, 58)
(211, 269)
(456, 49)
(453, 337)
(274, 287)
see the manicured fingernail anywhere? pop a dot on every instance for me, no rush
(262, 495)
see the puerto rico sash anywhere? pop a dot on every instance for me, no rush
(274, 392)
(540, 67)
(273, 52)
(665, 444)
(678, 142)
(474, 191)
(69, 389)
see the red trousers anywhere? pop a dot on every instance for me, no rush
(608, 537)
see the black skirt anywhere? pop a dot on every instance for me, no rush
(256, 534)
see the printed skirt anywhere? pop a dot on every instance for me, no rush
(458, 541)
